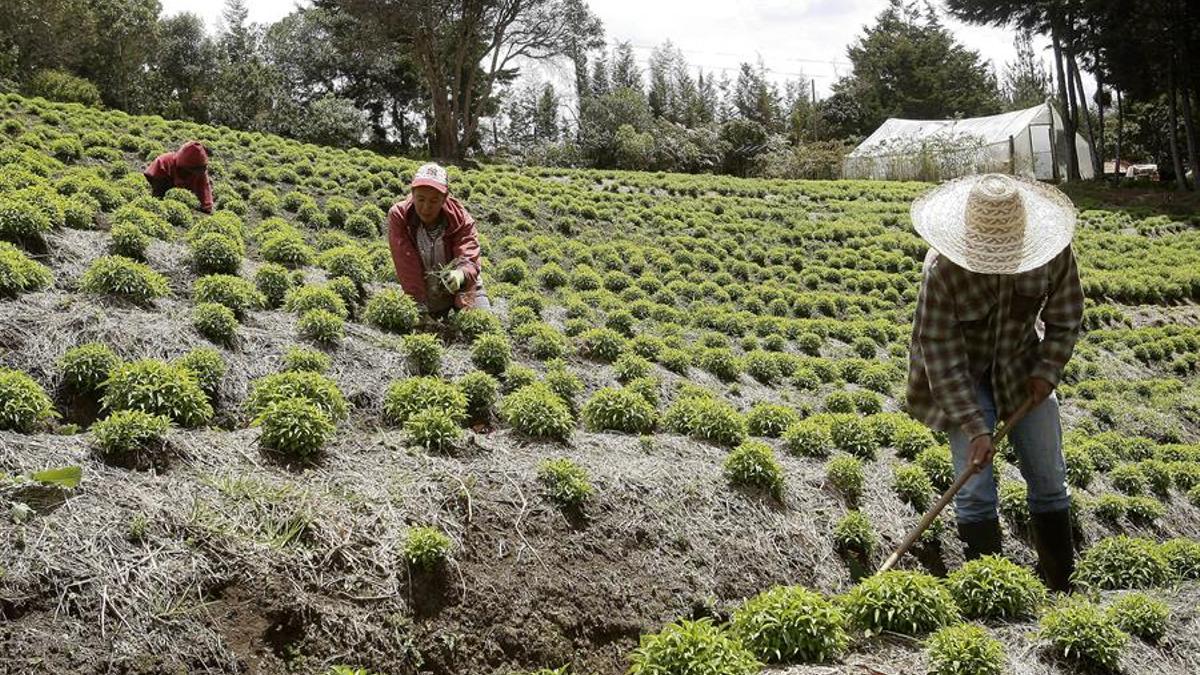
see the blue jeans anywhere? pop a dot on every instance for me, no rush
(1037, 440)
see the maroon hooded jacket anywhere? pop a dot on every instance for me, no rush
(164, 173)
(460, 239)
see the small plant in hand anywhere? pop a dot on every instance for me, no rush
(86, 367)
(433, 429)
(1080, 631)
(565, 482)
(426, 548)
(964, 650)
(791, 624)
(911, 603)
(753, 464)
(294, 427)
(853, 534)
(612, 409)
(1140, 615)
(692, 647)
(993, 587)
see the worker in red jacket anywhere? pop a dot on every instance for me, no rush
(435, 246)
(187, 168)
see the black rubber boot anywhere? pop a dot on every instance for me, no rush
(981, 538)
(1055, 548)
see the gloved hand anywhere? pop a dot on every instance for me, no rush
(455, 280)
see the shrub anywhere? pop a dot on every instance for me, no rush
(765, 419)
(1158, 475)
(911, 439)
(86, 367)
(565, 481)
(21, 220)
(206, 365)
(273, 282)
(491, 353)
(18, 273)
(565, 384)
(753, 464)
(809, 438)
(56, 85)
(692, 648)
(1144, 509)
(1122, 562)
(312, 296)
(126, 239)
(350, 261)
(1140, 615)
(1183, 555)
(125, 278)
(938, 465)
(853, 532)
(480, 390)
(160, 389)
(1079, 630)
(630, 366)
(619, 410)
(304, 359)
(318, 389)
(840, 402)
(1110, 507)
(286, 248)
(321, 326)
(537, 412)
(543, 340)
(472, 323)
(432, 429)
(215, 322)
(23, 402)
(215, 253)
(424, 353)
(406, 397)
(719, 361)
(1128, 478)
(900, 601)
(425, 548)
(516, 376)
(845, 474)
(992, 587)
(791, 623)
(675, 360)
(853, 435)
(236, 293)
(964, 650)
(551, 275)
(647, 388)
(125, 435)
(601, 344)
(1079, 466)
(912, 486)
(295, 427)
(1014, 501)
(706, 419)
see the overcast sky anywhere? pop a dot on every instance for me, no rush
(793, 37)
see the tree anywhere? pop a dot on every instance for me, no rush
(246, 87)
(755, 98)
(464, 49)
(601, 119)
(909, 66)
(545, 115)
(625, 71)
(1026, 82)
(585, 33)
(180, 74)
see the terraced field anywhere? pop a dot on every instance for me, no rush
(690, 393)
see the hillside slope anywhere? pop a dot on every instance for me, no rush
(781, 300)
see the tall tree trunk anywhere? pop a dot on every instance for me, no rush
(1063, 102)
(1173, 122)
(1189, 127)
(1120, 135)
(1100, 149)
(1081, 107)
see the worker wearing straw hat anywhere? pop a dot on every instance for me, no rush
(997, 317)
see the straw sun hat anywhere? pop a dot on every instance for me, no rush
(994, 223)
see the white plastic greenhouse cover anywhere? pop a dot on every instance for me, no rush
(1016, 142)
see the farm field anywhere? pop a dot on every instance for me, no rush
(690, 393)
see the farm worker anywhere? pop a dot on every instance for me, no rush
(435, 246)
(997, 317)
(187, 168)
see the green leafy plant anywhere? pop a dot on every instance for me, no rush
(206, 365)
(215, 253)
(491, 353)
(23, 403)
(481, 392)
(316, 388)
(537, 412)
(1014, 501)
(1140, 615)
(692, 647)
(294, 427)
(706, 419)
(765, 419)
(938, 465)
(472, 323)
(236, 293)
(854, 533)
(119, 276)
(900, 601)
(273, 282)
(808, 438)
(21, 220)
(612, 409)
(406, 397)
(128, 240)
(853, 435)
(912, 486)
(1183, 555)
(1128, 478)
(992, 587)
(1122, 562)
(601, 344)
(433, 428)
(565, 481)
(125, 436)
(215, 322)
(789, 624)
(18, 273)
(86, 367)
(1080, 631)
(426, 548)
(312, 296)
(304, 359)
(845, 474)
(424, 353)
(321, 326)
(157, 388)
(753, 464)
(964, 650)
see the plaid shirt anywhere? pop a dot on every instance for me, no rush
(970, 324)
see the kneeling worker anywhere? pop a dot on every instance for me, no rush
(435, 246)
(185, 168)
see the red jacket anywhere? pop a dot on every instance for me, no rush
(461, 240)
(163, 173)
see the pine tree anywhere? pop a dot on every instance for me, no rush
(1026, 80)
